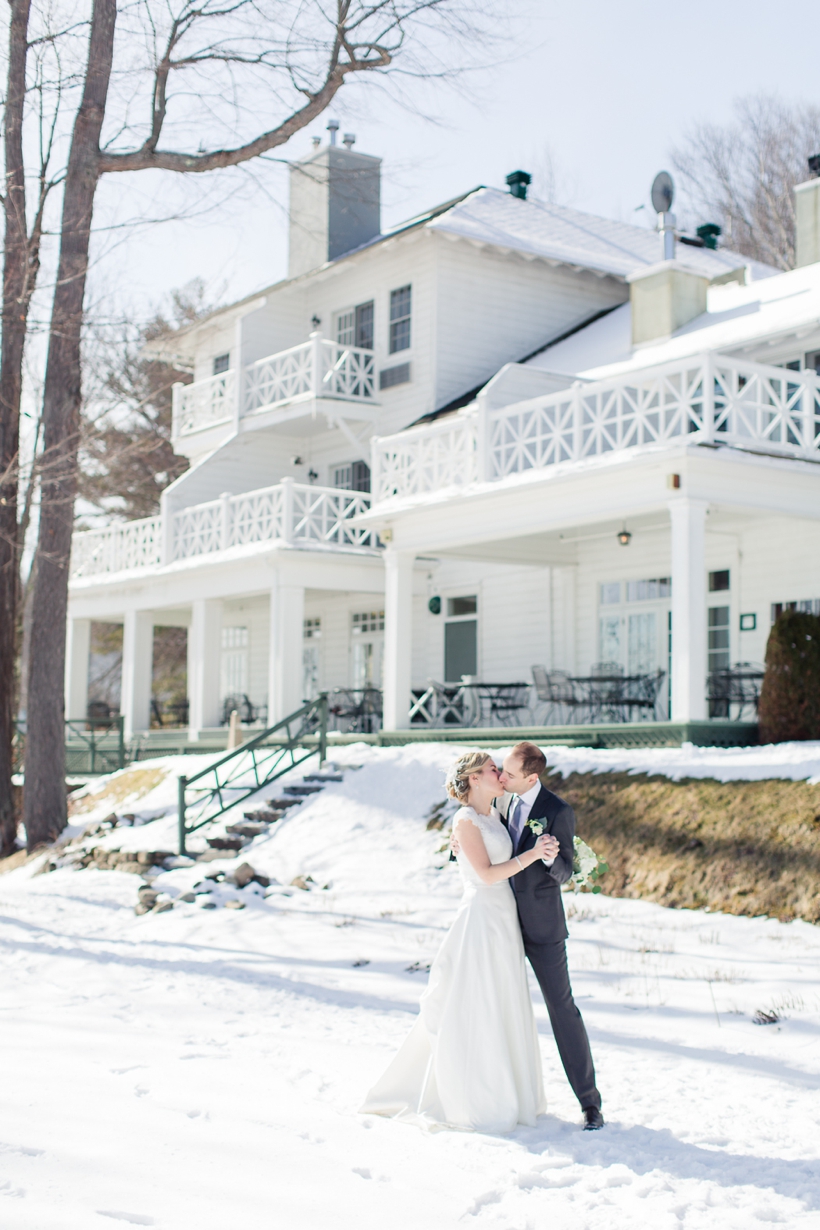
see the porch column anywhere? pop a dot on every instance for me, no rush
(398, 638)
(204, 662)
(287, 619)
(689, 641)
(137, 655)
(78, 647)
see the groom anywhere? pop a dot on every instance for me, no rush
(541, 911)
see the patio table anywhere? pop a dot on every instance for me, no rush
(613, 697)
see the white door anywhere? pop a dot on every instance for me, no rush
(643, 643)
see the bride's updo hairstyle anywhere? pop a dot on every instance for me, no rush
(458, 779)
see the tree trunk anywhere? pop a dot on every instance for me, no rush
(15, 311)
(45, 793)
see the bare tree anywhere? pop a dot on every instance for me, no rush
(238, 59)
(742, 175)
(21, 264)
(126, 455)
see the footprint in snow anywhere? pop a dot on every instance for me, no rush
(134, 1219)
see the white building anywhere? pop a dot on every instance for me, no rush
(518, 383)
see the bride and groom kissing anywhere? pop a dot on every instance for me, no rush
(472, 1059)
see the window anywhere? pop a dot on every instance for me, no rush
(811, 606)
(813, 362)
(718, 638)
(367, 621)
(352, 477)
(367, 629)
(462, 606)
(718, 581)
(389, 377)
(354, 327)
(234, 681)
(610, 593)
(222, 362)
(310, 657)
(400, 319)
(646, 591)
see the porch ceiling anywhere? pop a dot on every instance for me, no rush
(559, 547)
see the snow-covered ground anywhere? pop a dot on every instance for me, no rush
(198, 1069)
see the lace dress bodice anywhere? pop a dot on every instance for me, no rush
(497, 842)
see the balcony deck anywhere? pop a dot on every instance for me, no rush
(290, 513)
(279, 384)
(710, 399)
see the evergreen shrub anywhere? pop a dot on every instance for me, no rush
(790, 696)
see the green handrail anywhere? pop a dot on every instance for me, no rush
(263, 759)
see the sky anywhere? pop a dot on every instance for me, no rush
(605, 90)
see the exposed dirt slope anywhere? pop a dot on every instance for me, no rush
(741, 847)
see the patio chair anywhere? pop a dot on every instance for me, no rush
(641, 693)
(506, 705)
(453, 704)
(556, 692)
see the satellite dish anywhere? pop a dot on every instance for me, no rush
(663, 192)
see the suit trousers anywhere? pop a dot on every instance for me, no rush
(549, 961)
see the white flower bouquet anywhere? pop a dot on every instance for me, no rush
(587, 867)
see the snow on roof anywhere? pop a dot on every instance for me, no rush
(737, 318)
(567, 236)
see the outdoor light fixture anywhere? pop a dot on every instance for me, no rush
(315, 320)
(624, 537)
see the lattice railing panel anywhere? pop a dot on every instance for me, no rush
(349, 373)
(324, 516)
(426, 459)
(204, 403)
(117, 548)
(279, 378)
(197, 530)
(255, 516)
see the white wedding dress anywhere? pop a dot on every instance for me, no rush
(472, 1059)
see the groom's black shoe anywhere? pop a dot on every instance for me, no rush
(593, 1119)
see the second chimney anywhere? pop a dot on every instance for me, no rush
(807, 218)
(335, 205)
(665, 297)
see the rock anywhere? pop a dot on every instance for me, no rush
(177, 860)
(209, 856)
(162, 906)
(247, 829)
(225, 843)
(303, 882)
(128, 817)
(143, 908)
(234, 904)
(208, 905)
(216, 876)
(188, 897)
(111, 820)
(243, 875)
(135, 869)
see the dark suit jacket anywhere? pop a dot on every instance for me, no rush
(538, 888)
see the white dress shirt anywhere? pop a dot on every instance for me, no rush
(520, 813)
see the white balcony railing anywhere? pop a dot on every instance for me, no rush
(130, 544)
(204, 403)
(709, 399)
(317, 368)
(290, 512)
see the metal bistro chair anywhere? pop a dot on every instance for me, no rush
(506, 704)
(356, 710)
(641, 693)
(736, 686)
(606, 692)
(556, 692)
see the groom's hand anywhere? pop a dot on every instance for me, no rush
(454, 843)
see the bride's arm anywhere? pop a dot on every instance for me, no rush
(472, 846)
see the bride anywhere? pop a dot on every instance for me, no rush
(472, 1060)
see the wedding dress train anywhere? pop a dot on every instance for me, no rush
(471, 1059)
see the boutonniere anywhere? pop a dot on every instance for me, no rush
(537, 826)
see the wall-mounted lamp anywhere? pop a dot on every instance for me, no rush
(312, 475)
(386, 534)
(673, 482)
(434, 605)
(315, 320)
(296, 460)
(624, 537)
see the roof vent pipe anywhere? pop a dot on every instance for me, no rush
(518, 182)
(333, 128)
(349, 140)
(663, 194)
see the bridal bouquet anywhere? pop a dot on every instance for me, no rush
(587, 867)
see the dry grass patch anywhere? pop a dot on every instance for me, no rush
(131, 783)
(740, 847)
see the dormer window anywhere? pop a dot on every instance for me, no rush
(400, 318)
(222, 363)
(354, 326)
